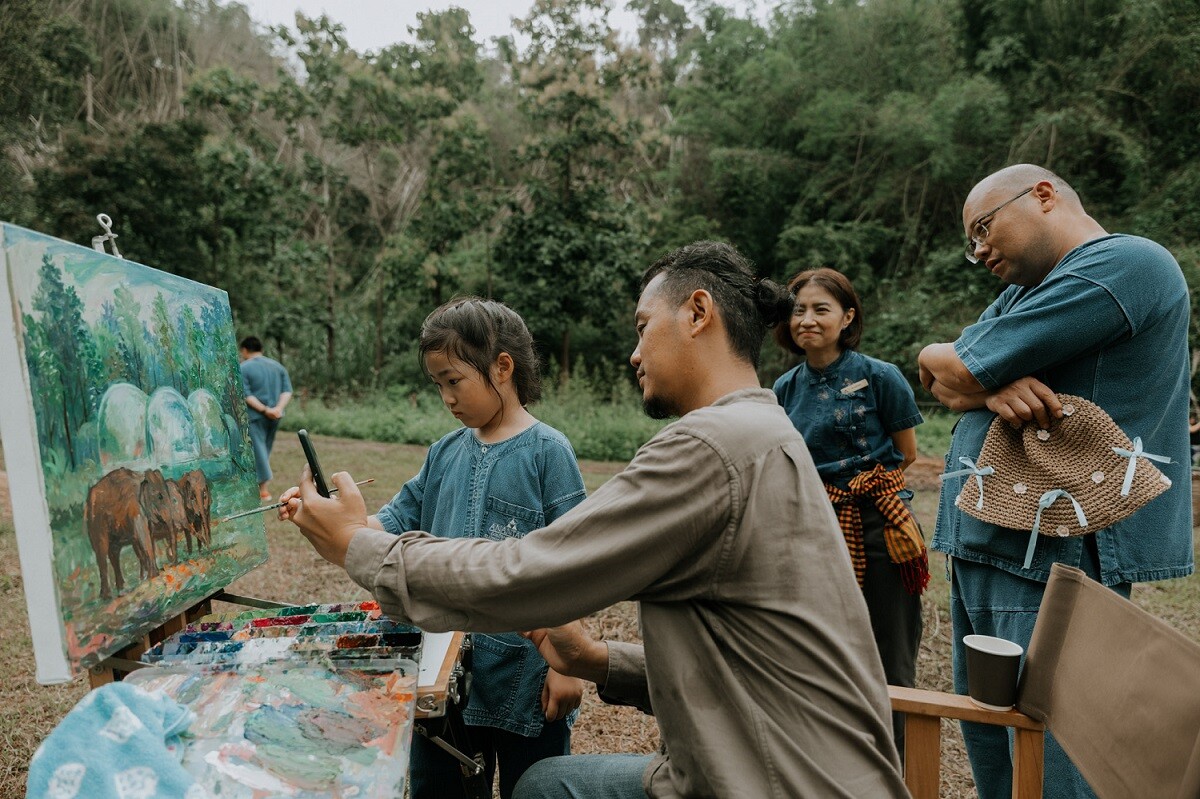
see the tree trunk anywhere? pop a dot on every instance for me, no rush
(330, 285)
(89, 99)
(67, 426)
(488, 267)
(379, 329)
(564, 364)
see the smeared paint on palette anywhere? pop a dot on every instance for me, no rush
(345, 635)
(301, 731)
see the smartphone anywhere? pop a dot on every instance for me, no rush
(313, 464)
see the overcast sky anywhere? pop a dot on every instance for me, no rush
(372, 24)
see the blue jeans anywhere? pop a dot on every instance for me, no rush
(262, 438)
(436, 775)
(585, 777)
(985, 600)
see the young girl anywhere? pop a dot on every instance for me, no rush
(858, 417)
(501, 475)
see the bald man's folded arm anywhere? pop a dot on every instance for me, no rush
(941, 365)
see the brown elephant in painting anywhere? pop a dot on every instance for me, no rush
(162, 505)
(197, 502)
(113, 517)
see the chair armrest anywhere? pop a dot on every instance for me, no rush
(939, 704)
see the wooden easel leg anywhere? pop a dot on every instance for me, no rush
(922, 755)
(1028, 751)
(103, 674)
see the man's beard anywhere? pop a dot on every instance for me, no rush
(659, 408)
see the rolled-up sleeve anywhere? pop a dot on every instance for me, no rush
(1057, 323)
(626, 682)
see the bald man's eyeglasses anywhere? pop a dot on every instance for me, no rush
(979, 231)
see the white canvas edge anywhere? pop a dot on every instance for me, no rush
(434, 647)
(31, 515)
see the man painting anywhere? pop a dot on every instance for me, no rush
(758, 662)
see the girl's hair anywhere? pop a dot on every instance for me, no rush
(842, 290)
(475, 331)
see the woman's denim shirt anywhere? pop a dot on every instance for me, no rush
(468, 489)
(847, 413)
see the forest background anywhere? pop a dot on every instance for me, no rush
(339, 196)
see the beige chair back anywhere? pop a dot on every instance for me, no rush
(1118, 688)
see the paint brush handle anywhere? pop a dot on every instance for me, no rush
(266, 508)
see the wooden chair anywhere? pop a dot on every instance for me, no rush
(1119, 688)
(924, 711)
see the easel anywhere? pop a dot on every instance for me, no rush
(439, 704)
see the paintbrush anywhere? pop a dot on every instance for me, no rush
(266, 508)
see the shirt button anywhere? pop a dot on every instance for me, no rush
(483, 449)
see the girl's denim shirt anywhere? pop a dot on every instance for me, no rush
(847, 413)
(468, 489)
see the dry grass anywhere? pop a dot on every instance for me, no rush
(294, 573)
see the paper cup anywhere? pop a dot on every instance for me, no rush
(993, 665)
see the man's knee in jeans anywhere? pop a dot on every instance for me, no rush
(584, 777)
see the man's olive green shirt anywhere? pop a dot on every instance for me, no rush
(758, 663)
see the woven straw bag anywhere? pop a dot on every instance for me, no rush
(1083, 472)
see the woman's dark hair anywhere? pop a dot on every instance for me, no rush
(842, 290)
(749, 306)
(475, 331)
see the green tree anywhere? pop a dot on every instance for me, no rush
(570, 247)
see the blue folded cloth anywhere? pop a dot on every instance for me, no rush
(120, 742)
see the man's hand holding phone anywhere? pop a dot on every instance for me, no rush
(327, 522)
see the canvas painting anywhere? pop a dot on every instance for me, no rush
(125, 440)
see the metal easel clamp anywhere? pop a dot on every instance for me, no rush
(449, 730)
(119, 664)
(249, 601)
(98, 241)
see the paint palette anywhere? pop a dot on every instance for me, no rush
(305, 701)
(285, 729)
(344, 635)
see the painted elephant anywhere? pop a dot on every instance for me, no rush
(113, 517)
(197, 503)
(162, 505)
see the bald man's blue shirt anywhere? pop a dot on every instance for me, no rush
(1109, 323)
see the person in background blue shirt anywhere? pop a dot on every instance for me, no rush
(501, 475)
(268, 390)
(1086, 313)
(858, 417)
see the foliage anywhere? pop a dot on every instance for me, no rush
(339, 196)
(571, 245)
(603, 421)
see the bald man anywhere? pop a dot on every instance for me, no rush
(1084, 312)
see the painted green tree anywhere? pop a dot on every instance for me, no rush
(61, 355)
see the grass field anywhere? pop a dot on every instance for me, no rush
(295, 574)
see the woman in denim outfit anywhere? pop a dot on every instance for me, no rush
(503, 474)
(858, 417)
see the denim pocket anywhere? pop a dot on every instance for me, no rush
(509, 520)
(506, 683)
